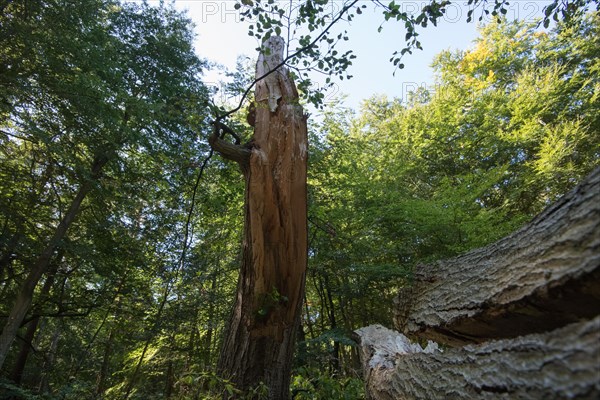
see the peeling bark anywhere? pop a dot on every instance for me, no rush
(259, 341)
(544, 276)
(557, 365)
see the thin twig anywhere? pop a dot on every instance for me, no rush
(289, 57)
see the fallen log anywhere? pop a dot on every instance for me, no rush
(542, 277)
(562, 364)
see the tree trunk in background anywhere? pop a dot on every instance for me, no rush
(170, 381)
(27, 342)
(208, 339)
(102, 381)
(104, 368)
(25, 295)
(25, 347)
(335, 350)
(259, 340)
(44, 386)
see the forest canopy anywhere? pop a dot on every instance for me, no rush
(104, 120)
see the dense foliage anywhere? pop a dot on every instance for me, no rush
(121, 312)
(512, 125)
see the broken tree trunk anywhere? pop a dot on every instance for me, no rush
(544, 276)
(562, 364)
(259, 339)
(497, 301)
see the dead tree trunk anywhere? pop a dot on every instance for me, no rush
(259, 340)
(543, 276)
(562, 364)
(517, 304)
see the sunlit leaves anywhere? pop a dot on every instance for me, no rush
(510, 128)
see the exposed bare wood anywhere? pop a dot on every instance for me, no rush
(259, 343)
(541, 277)
(557, 365)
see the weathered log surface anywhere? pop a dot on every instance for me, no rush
(544, 276)
(562, 364)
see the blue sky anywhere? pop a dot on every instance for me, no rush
(222, 37)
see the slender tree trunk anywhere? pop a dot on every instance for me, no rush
(25, 347)
(152, 333)
(25, 295)
(208, 339)
(103, 375)
(301, 360)
(323, 308)
(308, 317)
(44, 386)
(170, 374)
(191, 347)
(259, 340)
(76, 367)
(335, 351)
(26, 344)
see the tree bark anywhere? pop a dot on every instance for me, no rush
(259, 341)
(557, 365)
(25, 295)
(544, 276)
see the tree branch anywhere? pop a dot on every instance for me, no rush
(230, 151)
